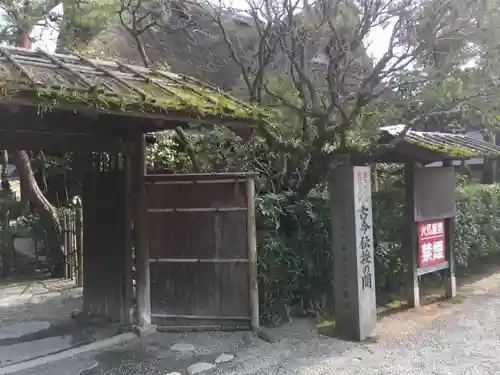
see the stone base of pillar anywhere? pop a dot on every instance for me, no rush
(144, 331)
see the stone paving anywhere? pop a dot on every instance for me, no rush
(42, 300)
(35, 320)
(169, 353)
(158, 354)
(17, 330)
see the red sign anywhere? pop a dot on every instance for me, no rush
(431, 243)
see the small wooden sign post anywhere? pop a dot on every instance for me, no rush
(429, 215)
(353, 251)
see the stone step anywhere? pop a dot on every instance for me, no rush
(15, 353)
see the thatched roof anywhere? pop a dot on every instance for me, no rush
(204, 54)
(428, 147)
(56, 80)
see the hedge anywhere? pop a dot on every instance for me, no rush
(295, 251)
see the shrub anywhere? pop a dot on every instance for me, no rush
(295, 261)
(477, 224)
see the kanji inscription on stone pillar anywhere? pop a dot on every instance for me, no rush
(353, 251)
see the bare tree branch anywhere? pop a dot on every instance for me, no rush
(310, 59)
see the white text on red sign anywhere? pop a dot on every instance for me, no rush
(431, 230)
(432, 251)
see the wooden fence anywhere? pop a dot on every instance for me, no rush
(72, 238)
(72, 233)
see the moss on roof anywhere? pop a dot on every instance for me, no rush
(450, 149)
(426, 146)
(59, 80)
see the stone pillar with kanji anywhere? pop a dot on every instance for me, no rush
(353, 251)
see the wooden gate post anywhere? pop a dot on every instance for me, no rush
(7, 247)
(449, 279)
(252, 255)
(79, 244)
(64, 228)
(68, 245)
(409, 238)
(127, 317)
(143, 292)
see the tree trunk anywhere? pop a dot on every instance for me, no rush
(29, 187)
(489, 166)
(47, 212)
(316, 169)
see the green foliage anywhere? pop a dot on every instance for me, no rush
(292, 268)
(26, 225)
(86, 19)
(460, 93)
(217, 149)
(295, 267)
(477, 233)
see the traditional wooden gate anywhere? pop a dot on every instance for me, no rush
(202, 251)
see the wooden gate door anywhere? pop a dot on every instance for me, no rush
(200, 231)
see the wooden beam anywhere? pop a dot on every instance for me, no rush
(409, 240)
(209, 178)
(143, 284)
(449, 278)
(170, 118)
(196, 209)
(79, 244)
(128, 250)
(199, 317)
(252, 256)
(68, 142)
(197, 260)
(63, 122)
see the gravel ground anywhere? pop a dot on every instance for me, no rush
(443, 338)
(465, 341)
